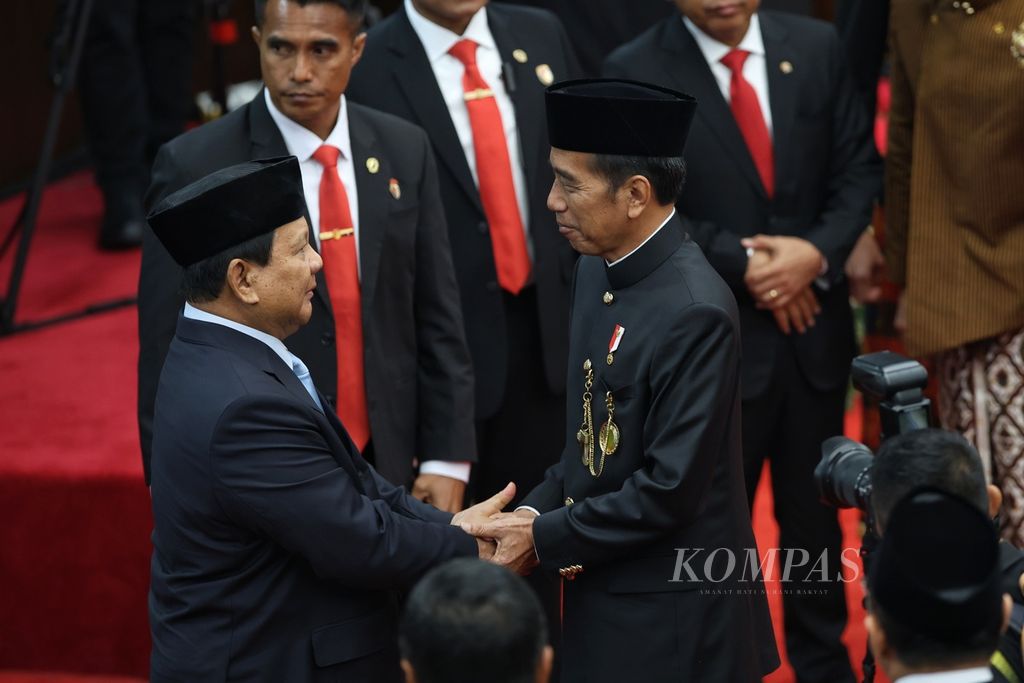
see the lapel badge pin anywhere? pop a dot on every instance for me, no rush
(394, 188)
(545, 75)
(519, 56)
(613, 343)
(372, 165)
(1017, 44)
(786, 67)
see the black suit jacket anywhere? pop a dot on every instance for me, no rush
(276, 548)
(674, 482)
(827, 174)
(395, 76)
(418, 373)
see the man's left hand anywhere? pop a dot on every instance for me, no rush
(795, 263)
(513, 533)
(444, 493)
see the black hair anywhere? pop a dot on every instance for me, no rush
(667, 175)
(204, 281)
(469, 621)
(918, 651)
(356, 9)
(926, 457)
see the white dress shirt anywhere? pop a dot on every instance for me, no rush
(975, 675)
(448, 71)
(755, 69)
(302, 143)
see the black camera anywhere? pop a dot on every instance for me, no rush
(897, 383)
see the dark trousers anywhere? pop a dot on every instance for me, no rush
(135, 85)
(786, 426)
(525, 437)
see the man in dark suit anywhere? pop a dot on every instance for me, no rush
(415, 398)
(276, 548)
(652, 470)
(782, 174)
(486, 124)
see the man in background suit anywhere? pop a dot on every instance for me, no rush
(277, 549)
(396, 282)
(782, 173)
(512, 267)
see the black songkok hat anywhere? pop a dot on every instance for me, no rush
(613, 116)
(229, 207)
(937, 568)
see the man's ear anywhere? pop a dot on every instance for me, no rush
(547, 660)
(241, 278)
(410, 675)
(1007, 609)
(256, 34)
(358, 45)
(640, 195)
(995, 500)
(876, 637)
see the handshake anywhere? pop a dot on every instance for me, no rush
(504, 538)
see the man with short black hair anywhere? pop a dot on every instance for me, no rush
(469, 621)
(936, 608)
(277, 550)
(385, 342)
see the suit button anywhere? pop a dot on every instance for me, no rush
(327, 338)
(482, 227)
(491, 286)
(569, 501)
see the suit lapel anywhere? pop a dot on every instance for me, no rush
(687, 67)
(416, 80)
(266, 142)
(523, 80)
(372, 204)
(782, 92)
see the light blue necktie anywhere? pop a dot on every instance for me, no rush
(302, 372)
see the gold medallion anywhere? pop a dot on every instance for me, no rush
(372, 165)
(609, 437)
(545, 75)
(608, 298)
(519, 56)
(610, 359)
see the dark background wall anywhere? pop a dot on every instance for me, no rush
(28, 90)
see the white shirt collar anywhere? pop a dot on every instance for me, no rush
(437, 40)
(275, 344)
(639, 246)
(302, 142)
(714, 50)
(974, 675)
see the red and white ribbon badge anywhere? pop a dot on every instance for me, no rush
(613, 343)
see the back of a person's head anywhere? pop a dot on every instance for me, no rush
(934, 584)
(930, 458)
(470, 621)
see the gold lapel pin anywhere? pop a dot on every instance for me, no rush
(519, 56)
(545, 75)
(394, 188)
(786, 67)
(372, 165)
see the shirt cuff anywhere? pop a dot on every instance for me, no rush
(821, 280)
(527, 507)
(444, 468)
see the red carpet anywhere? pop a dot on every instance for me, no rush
(74, 513)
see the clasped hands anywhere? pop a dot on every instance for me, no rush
(779, 276)
(504, 538)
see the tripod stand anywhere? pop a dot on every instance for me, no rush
(72, 26)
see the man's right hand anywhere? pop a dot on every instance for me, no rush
(798, 314)
(482, 512)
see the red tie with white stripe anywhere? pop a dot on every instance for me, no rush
(338, 249)
(747, 111)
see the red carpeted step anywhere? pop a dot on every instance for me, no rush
(47, 677)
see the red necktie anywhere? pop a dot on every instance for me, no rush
(747, 111)
(338, 249)
(494, 170)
